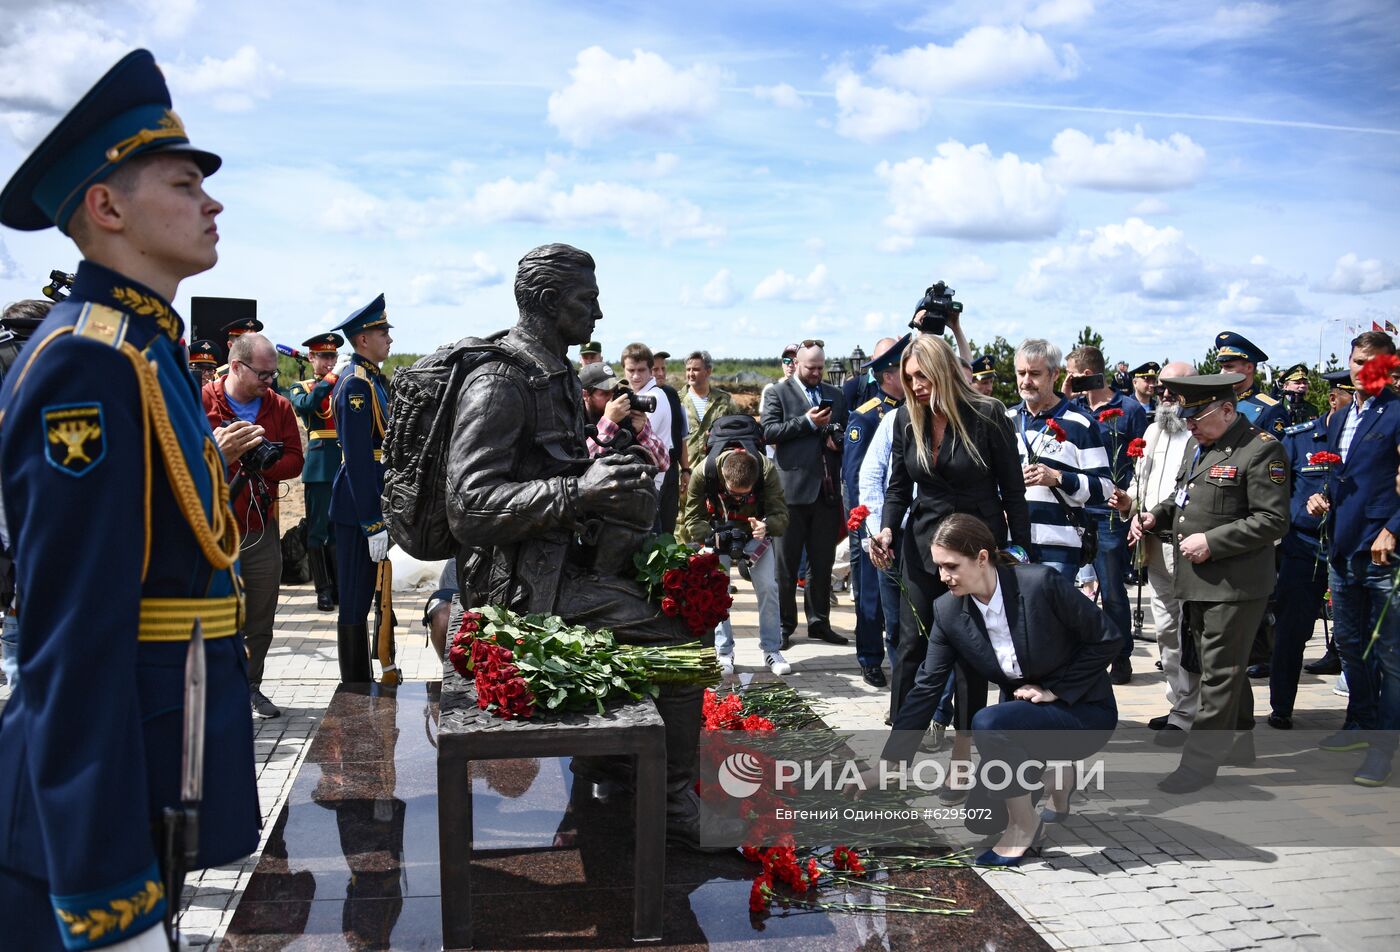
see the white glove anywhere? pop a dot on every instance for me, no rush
(379, 545)
(152, 940)
(341, 363)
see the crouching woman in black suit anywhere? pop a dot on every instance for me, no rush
(1027, 629)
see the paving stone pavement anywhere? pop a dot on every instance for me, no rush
(1121, 885)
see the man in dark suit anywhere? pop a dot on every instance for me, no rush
(1365, 522)
(796, 416)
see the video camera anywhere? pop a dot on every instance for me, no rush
(57, 288)
(937, 306)
(731, 538)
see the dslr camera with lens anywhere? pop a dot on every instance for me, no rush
(646, 403)
(732, 537)
(934, 309)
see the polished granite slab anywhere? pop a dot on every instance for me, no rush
(352, 860)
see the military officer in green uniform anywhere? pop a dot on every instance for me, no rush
(1230, 507)
(312, 401)
(1293, 390)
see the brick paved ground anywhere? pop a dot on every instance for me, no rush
(1118, 881)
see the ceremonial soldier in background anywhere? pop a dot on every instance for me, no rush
(204, 361)
(984, 375)
(860, 429)
(1237, 355)
(234, 330)
(1145, 388)
(312, 401)
(90, 742)
(361, 410)
(1230, 507)
(1293, 389)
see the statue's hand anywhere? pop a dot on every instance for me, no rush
(603, 486)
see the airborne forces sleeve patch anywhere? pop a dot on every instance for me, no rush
(357, 402)
(74, 437)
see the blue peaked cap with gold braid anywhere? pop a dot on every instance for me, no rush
(126, 115)
(367, 318)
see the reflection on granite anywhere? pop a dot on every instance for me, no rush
(352, 860)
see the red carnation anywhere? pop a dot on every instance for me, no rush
(1375, 373)
(1110, 414)
(1056, 430)
(858, 516)
(1136, 448)
(1323, 458)
(761, 893)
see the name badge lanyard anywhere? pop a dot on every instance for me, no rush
(1183, 494)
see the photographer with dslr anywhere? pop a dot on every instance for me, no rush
(257, 432)
(609, 406)
(734, 501)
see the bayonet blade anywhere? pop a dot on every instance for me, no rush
(192, 749)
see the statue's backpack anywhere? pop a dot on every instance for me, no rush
(416, 443)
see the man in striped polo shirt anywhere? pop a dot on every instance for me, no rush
(1062, 456)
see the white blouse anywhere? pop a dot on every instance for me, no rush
(999, 630)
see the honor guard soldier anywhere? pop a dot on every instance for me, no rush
(1237, 355)
(1145, 388)
(860, 429)
(361, 410)
(1293, 386)
(1229, 508)
(204, 361)
(312, 401)
(984, 375)
(101, 422)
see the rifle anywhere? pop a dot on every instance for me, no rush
(384, 624)
(180, 825)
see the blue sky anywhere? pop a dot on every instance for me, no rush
(747, 174)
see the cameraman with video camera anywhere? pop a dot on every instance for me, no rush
(619, 416)
(734, 502)
(257, 433)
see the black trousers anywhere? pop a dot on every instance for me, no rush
(814, 527)
(921, 589)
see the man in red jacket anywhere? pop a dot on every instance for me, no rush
(246, 411)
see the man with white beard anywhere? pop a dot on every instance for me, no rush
(1153, 481)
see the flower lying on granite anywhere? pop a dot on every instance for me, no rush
(524, 662)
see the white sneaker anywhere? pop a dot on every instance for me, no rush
(726, 664)
(1340, 688)
(777, 663)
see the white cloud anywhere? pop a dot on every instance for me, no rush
(451, 284)
(1058, 13)
(719, 291)
(48, 59)
(966, 192)
(663, 164)
(8, 267)
(877, 321)
(646, 93)
(1245, 298)
(971, 269)
(985, 57)
(1353, 275)
(1152, 206)
(168, 18)
(868, 113)
(234, 83)
(781, 95)
(542, 200)
(1131, 258)
(895, 244)
(1126, 161)
(781, 286)
(1242, 19)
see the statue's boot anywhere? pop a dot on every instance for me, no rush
(688, 824)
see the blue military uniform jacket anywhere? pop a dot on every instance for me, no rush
(312, 401)
(361, 414)
(1362, 489)
(1301, 442)
(114, 495)
(860, 430)
(1264, 412)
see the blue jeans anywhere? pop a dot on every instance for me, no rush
(1111, 566)
(1068, 569)
(9, 651)
(870, 618)
(1360, 590)
(764, 575)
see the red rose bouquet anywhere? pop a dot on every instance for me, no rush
(685, 583)
(521, 663)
